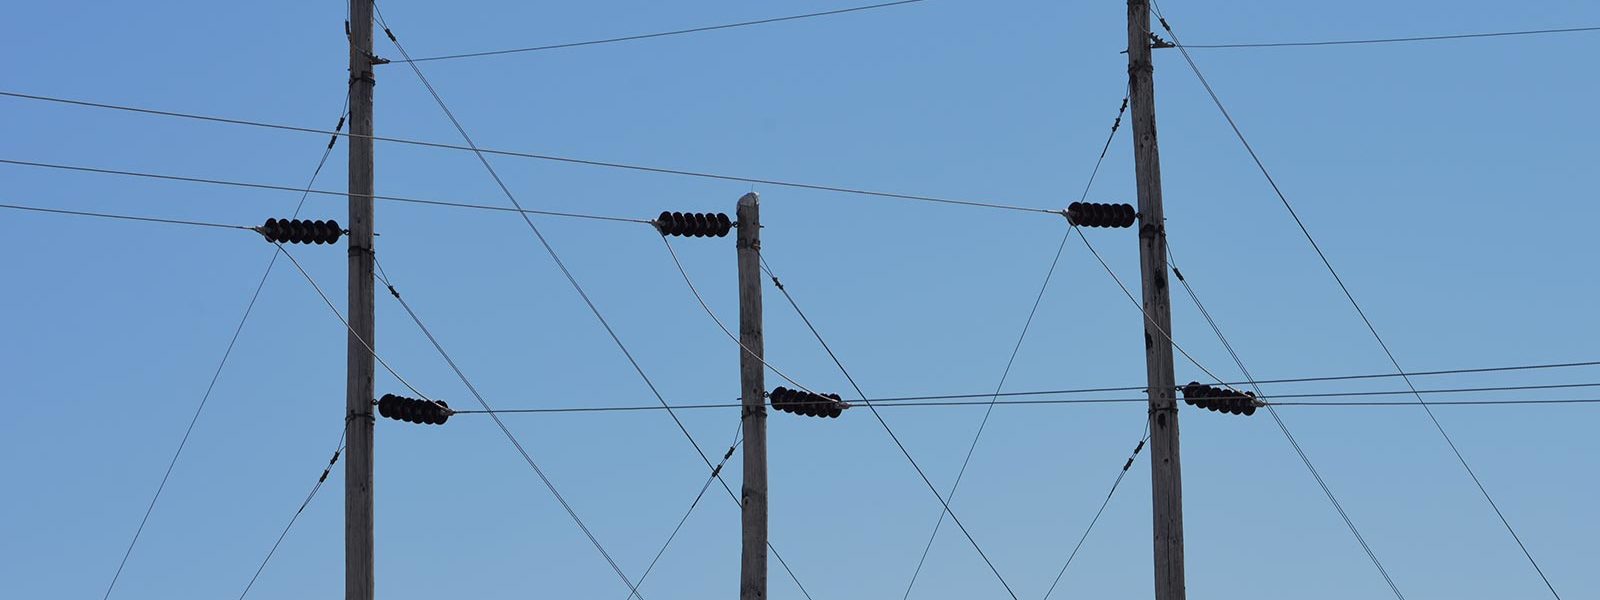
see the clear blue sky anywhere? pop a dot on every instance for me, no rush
(1448, 182)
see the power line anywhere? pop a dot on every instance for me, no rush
(714, 319)
(84, 213)
(892, 436)
(1215, 99)
(364, 343)
(309, 190)
(1392, 40)
(307, 502)
(223, 362)
(1271, 410)
(1005, 373)
(545, 157)
(646, 36)
(633, 588)
(1114, 483)
(704, 406)
(571, 279)
(715, 471)
(978, 434)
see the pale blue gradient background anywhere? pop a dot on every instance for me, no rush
(1449, 182)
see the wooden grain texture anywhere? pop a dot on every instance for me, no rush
(358, 570)
(1166, 474)
(752, 388)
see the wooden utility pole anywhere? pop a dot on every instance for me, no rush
(1166, 475)
(358, 571)
(752, 389)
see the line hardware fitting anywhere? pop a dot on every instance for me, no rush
(1213, 398)
(807, 404)
(1094, 214)
(694, 224)
(412, 410)
(301, 231)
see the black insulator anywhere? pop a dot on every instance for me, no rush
(1094, 214)
(300, 231)
(412, 410)
(1218, 399)
(807, 404)
(694, 224)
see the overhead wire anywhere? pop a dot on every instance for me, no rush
(1393, 40)
(571, 279)
(363, 341)
(1273, 412)
(895, 438)
(526, 457)
(546, 157)
(338, 448)
(720, 325)
(84, 213)
(308, 190)
(1086, 401)
(715, 471)
(1015, 349)
(1100, 511)
(645, 36)
(1239, 134)
(226, 353)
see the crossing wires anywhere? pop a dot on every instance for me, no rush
(1015, 349)
(1273, 411)
(526, 457)
(546, 157)
(567, 273)
(896, 439)
(1239, 134)
(226, 353)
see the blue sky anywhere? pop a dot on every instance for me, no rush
(1446, 182)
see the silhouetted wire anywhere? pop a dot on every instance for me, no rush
(1215, 99)
(658, 34)
(364, 343)
(308, 190)
(571, 279)
(338, 448)
(1392, 40)
(223, 362)
(714, 319)
(1151, 320)
(892, 436)
(928, 547)
(715, 471)
(978, 434)
(84, 213)
(1271, 410)
(1496, 402)
(526, 457)
(545, 157)
(1145, 437)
